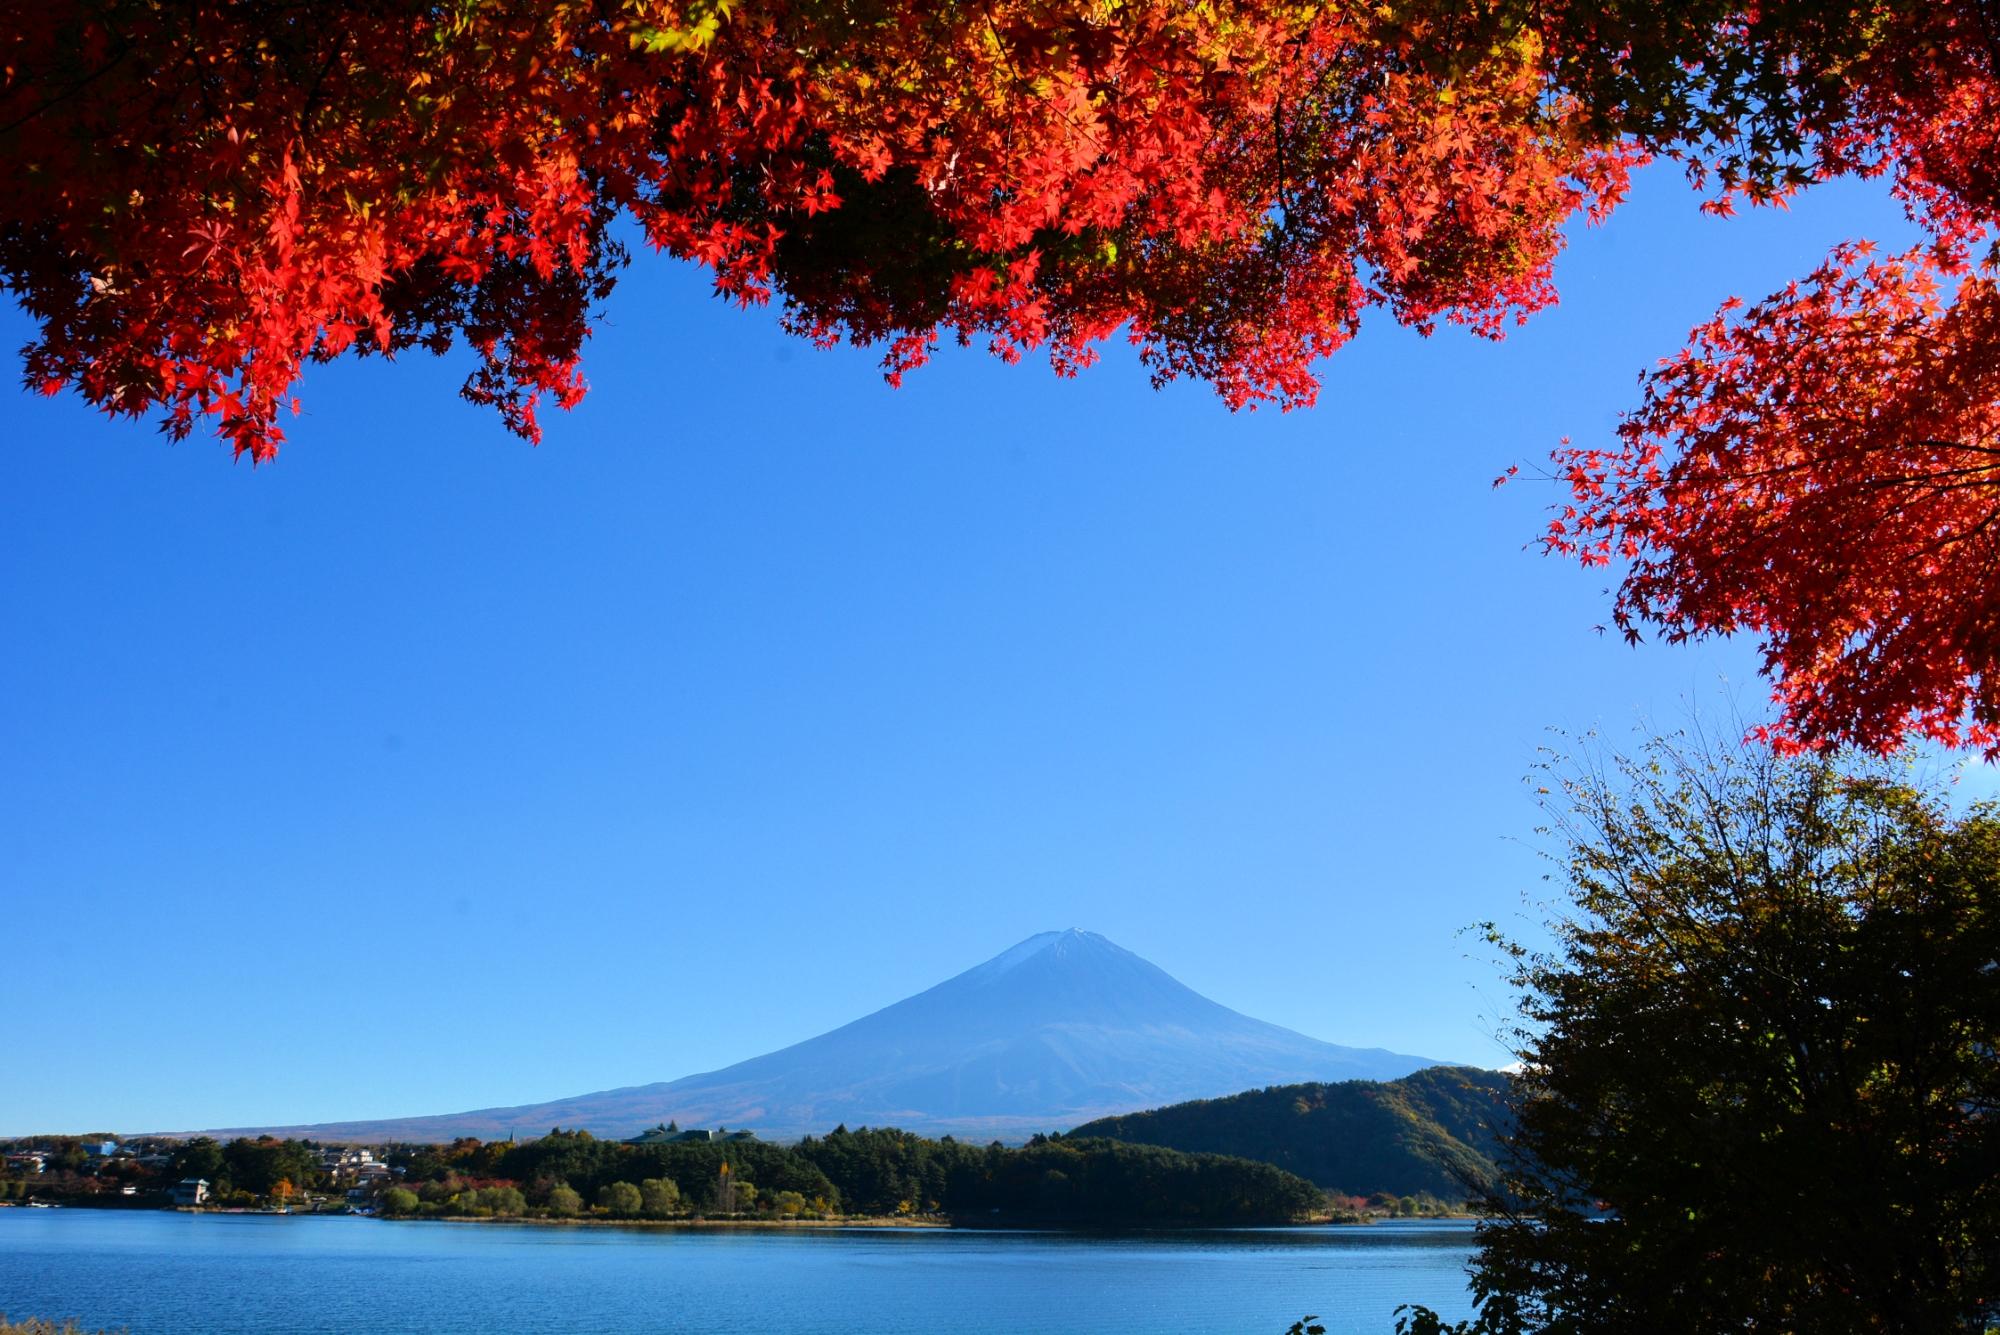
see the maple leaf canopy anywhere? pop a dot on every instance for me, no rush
(197, 199)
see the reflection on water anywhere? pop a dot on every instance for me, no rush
(169, 1274)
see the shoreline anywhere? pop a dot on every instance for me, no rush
(968, 1224)
(858, 1221)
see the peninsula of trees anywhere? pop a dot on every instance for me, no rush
(572, 1174)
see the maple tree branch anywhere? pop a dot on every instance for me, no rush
(1949, 541)
(1988, 14)
(80, 86)
(311, 102)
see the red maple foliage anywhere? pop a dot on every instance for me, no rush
(196, 199)
(1822, 468)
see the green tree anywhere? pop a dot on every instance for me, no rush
(564, 1202)
(259, 1165)
(620, 1198)
(503, 1200)
(200, 1157)
(399, 1200)
(1760, 1078)
(659, 1197)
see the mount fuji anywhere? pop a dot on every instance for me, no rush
(1060, 1029)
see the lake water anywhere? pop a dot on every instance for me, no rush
(159, 1273)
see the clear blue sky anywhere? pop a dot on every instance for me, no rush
(423, 770)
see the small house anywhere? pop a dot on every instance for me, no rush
(191, 1191)
(347, 1163)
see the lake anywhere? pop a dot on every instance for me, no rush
(160, 1273)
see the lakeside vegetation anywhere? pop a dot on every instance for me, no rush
(568, 1175)
(875, 1173)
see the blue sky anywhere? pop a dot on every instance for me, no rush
(422, 770)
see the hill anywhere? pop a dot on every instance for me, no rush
(1431, 1131)
(1064, 1027)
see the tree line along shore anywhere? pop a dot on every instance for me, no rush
(846, 1176)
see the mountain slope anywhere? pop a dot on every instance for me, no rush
(1063, 1027)
(1432, 1131)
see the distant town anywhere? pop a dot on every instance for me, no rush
(263, 1174)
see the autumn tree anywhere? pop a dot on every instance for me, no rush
(1819, 469)
(198, 199)
(1759, 1085)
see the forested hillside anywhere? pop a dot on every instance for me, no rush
(865, 1172)
(1432, 1132)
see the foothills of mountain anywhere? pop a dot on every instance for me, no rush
(1062, 1028)
(1436, 1132)
(572, 1174)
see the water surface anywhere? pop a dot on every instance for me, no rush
(159, 1273)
